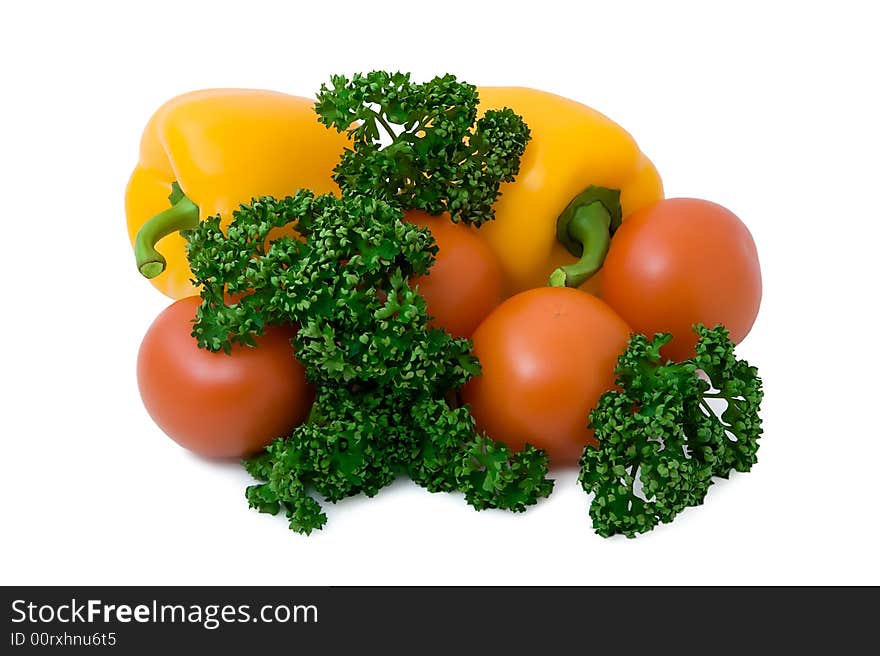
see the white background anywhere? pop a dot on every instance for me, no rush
(768, 108)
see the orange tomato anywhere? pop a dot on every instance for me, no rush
(218, 405)
(464, 284)
(679, 262)
(547, 356)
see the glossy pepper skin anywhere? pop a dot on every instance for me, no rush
(224, 147)
(573, 147)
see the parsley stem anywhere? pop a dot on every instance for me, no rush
(381, 119)
(182, 215)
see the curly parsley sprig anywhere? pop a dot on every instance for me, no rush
(420, 146)
(660, 441)
(381, 375)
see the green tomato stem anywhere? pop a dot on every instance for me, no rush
(182, 215)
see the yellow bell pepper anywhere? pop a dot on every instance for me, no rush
(569, 175)
(222, 147)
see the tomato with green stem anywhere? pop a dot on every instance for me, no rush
(547, 355)
(214, 404)
(465, 283)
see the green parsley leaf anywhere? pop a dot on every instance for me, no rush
(420, 146)
(382, 376)
(660, 441)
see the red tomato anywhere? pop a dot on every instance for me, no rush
(218, 405)
(464, 284)
(547, 355)
(679, 262)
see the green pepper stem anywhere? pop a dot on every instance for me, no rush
(183, 215)
(589, 227)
